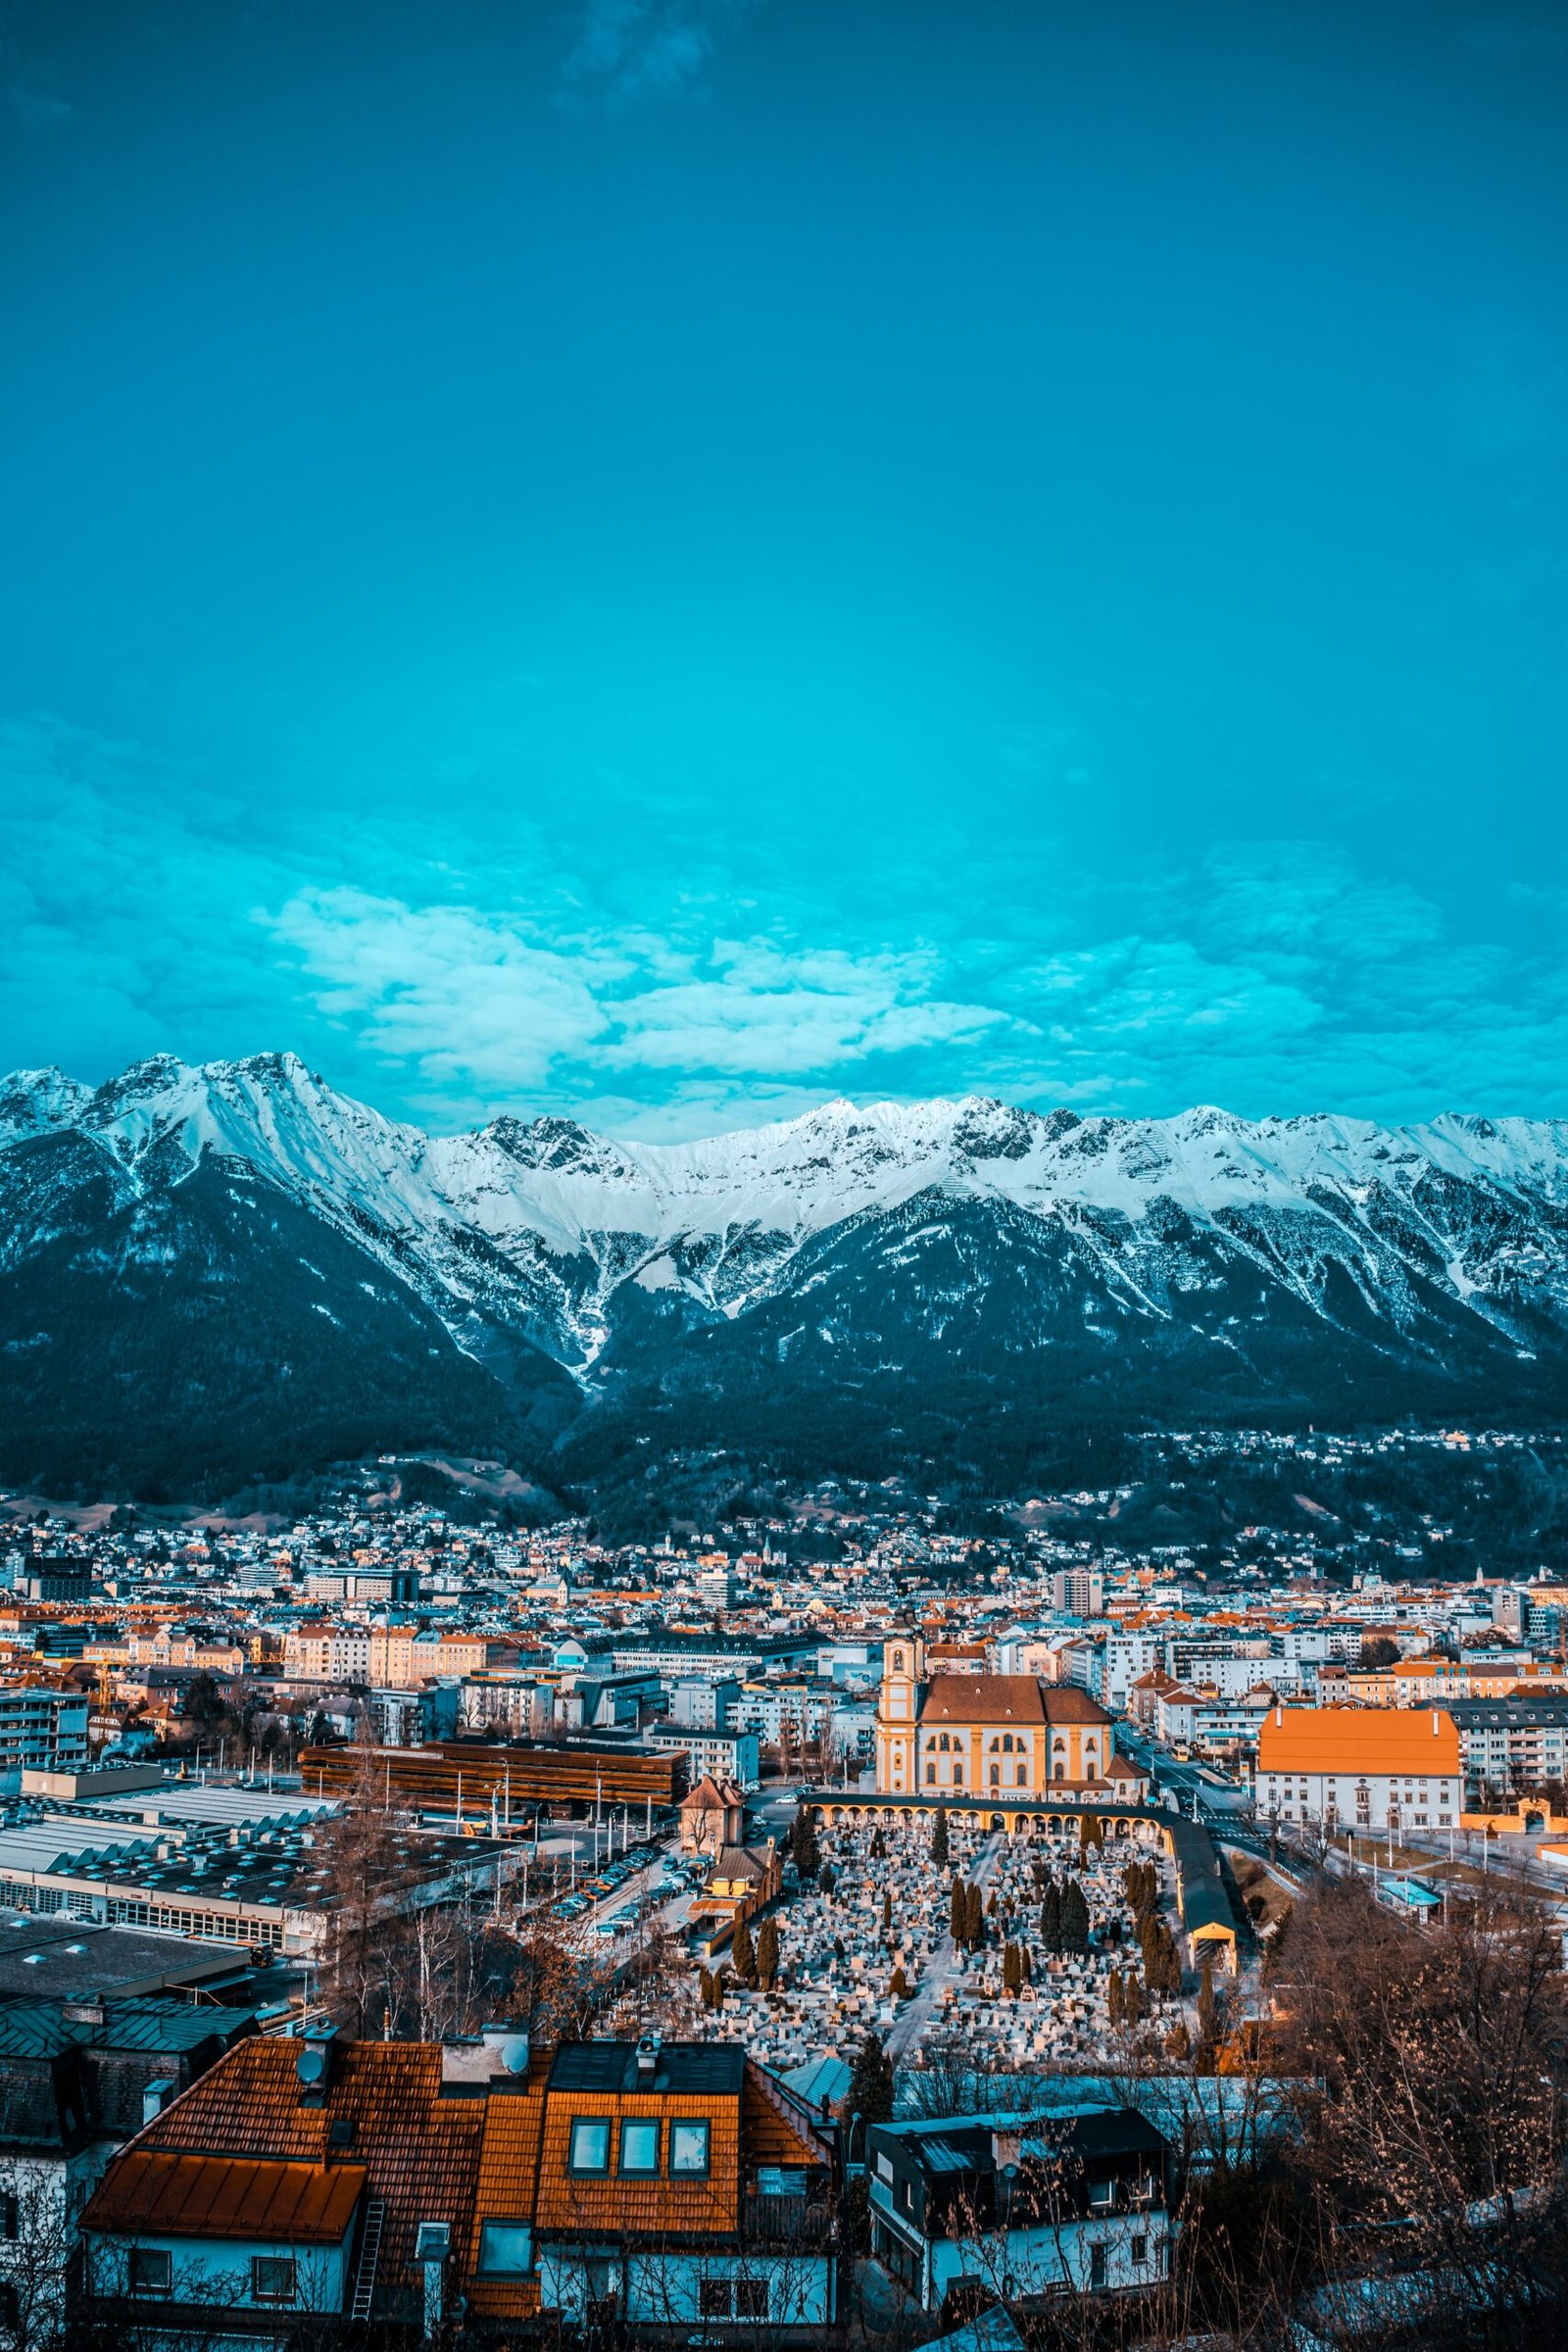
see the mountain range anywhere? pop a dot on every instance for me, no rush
(232, 1272)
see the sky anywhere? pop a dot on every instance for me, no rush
(669, 560)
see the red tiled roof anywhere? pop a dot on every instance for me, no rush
(227, 2196)
(420, 2150)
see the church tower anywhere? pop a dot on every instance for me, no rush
(898, 1713)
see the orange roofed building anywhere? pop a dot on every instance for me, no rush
(992, 1736)
(395, 2185)
(1361, 1768)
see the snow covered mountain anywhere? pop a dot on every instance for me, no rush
(959, 1258)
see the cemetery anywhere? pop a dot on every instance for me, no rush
(924, 1928)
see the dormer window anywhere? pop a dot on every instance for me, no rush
(687, 2148)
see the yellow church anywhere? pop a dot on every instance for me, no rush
(992, 1736)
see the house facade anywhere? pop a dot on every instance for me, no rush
(1372, 1769)
(1075, 2203)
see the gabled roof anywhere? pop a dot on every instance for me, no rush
(420, 2150)
(982, 1699)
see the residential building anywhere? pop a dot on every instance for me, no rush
(1512, 1743)
(1075, 2202)
(41, 1731)
(724, 1755)
(1078, 1592)
(653, 2185)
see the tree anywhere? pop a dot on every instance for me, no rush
(871, 2092)
(898, 1986)
(1378, 1649)
(1011, 1971)
(1113, 1997)
(938, 1837)
(802, 1842)
(974, 1925)
(1026, 1964)
(767, 1954)
(1207, 2013)
(1090, 1833)
(742, 1953)
(959, 1911)
(886, 1909)
(1050, 1917)
(1075, 1918)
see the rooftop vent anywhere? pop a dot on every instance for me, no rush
(314, 2064)
(647, 2057)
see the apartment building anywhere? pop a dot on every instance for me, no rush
(1512, 1743)
(41, 1731)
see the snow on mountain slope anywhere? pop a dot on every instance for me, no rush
(545, 1229)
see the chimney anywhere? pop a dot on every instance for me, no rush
(507, 2046)
(430, 2254)
(648, 2049)
(314, 2065)
(155, 2098)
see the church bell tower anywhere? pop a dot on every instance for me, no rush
(898, 1713)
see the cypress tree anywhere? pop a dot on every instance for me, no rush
(958, 1911)
(767, 1954)
(1208, 2012)
(802, 1842)
(743, 1953)
(1075, 1918)
(1050, 1917)
(974, 1925)
(1026, 1964)
(1132, 1998)
(1113, 1996)
(898, 1986)
(871, 2092)
(886, 1909)
(1011, 1974)
(938, 1837)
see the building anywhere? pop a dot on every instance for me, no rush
(985, 1735)
(398, 2183)
(80, 2077)
(1509, 1745)
(1361, 1768)
(60, 1580)
(1078, 1592)
(41, 1731)
(720, 1756)
(1069, 2203)
(712, 1816)
(679, 2186)
(743, 1881)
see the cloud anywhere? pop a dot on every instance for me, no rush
(470, 996)
(456, 975)
(787, 1013)
(631, 50)
(459, 994)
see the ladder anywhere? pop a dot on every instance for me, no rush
(369, 2253)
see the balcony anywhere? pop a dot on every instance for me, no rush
(771, 2220)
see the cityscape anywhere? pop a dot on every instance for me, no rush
(783, 1176)
(874, 1853)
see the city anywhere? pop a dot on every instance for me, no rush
(940, 1837)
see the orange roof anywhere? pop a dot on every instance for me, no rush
(228, 2196)
(1380, 1740)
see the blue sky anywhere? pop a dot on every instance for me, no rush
(670, 558)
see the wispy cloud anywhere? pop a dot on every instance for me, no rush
(451, 978)
(631, 50)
